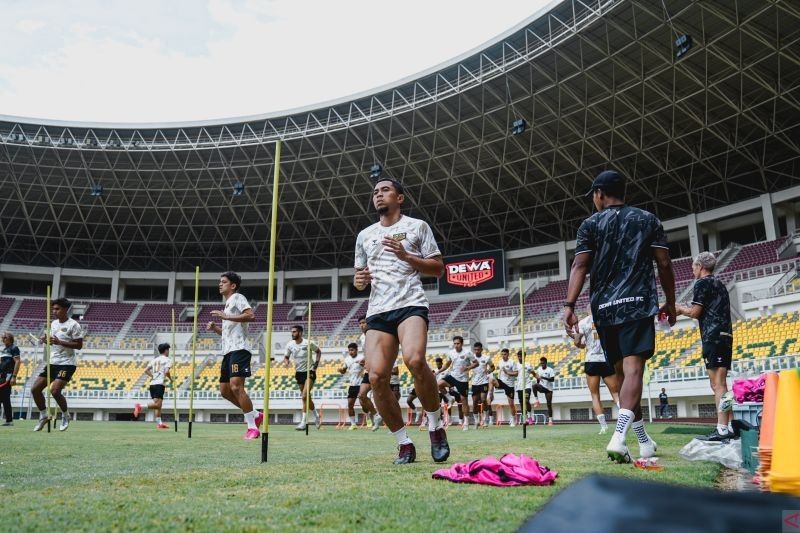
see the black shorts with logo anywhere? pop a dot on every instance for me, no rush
(637, 337)
(389, 321)
(300, 377)
(395, 387)
(598, 369)
(365, 379)
(508, 389)
(718, 354)
(477, 390)
(62, 372)
(235, 364)
(460, 386)
(352, 392)
(157, 392)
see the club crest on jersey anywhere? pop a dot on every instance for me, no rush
(470, 273)
(399, 236)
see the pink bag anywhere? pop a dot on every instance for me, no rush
(509, 471)
(749, 390)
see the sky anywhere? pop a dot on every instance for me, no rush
(182, 60)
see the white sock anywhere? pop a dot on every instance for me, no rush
(42, 415)
(624, 419)
(158, 420)
(601, 419)
(641, 434)
(730, 428)
(250, 418)
(722, 429)
(434, 419)
(401, 436)
(353, 421)
(65, 415)
(303, 421)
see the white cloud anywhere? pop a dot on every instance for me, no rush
(243, 58)
(29, 25)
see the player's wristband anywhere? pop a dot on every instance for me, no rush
(569, 304)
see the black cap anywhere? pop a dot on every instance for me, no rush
(608, 179)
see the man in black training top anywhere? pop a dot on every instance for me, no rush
(663, 401)
(618, 244)
(712, 309)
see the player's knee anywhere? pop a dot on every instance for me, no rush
(379, 381)
(417, 365)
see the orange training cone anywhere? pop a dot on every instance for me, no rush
(768, 414)
(785, 472)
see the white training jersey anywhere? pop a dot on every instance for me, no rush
(545, 373)
(529, 381)
(395, 283)
(234, 334)
(504, 367)
(298, 354)
(64, 331)
(480, 374)
(354, 372)
(459, 362)
(395, 379)
(594, 350)
(159, 366)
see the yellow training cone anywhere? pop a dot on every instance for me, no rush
(768, 415)
(785, 473)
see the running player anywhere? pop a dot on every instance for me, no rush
(507, 380)
(66, 336)
(545, 376)
(390, 255)
(480, 385)
(235, 367)
(353, 367)
(596, 368)
(364, 389)
(158, 370)
(619, 244)
(524, 396)
(459, 363)
(297, 351)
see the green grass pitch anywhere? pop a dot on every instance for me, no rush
(129, 476)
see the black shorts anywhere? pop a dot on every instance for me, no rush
(480, 389)
(527, 395)
(157, 392)
(598, 369)
(62, 372)
(508, 389)
(389, 321)
(637, 337)
(718, 354)
(395, 388)
(460, 386)
(300, 377)
(352, 392)
(365, 379)
(235, 364)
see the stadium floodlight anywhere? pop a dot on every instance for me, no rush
(97, 190)
(682, 45)
(518, 126)
(375, 171)
(238, 188)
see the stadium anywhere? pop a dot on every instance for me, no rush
(495, 150)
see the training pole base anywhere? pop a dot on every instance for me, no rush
(264, 446)
(525, 430)
(190, 429)
(176, 426)
(48, 426)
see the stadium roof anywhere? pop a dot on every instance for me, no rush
(598, 83)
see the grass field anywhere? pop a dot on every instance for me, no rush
(128, 476)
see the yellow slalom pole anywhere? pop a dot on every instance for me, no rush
(523, 371)
(308, 366)
(273, 237)
(194, 346)
(173, 374)
(48, 331)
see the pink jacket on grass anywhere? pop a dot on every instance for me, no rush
(510, 471)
